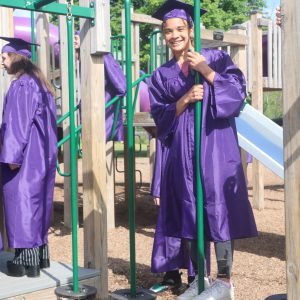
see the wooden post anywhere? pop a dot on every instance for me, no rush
(257, 103)
(6, 29)
(110, 181)
(239, 57)
(291, 130)
(94, 158)
(42, 38)
(66, 123)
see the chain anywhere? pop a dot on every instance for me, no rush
(69, 6)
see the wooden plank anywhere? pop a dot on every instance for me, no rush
(142, 18)
(291, 130)
(275, 56)
(239, 57)
(270, 54)
(65, 124)
(143, 119)
(110, 182)
(279, 80)
(94, 158)
(257, 102)
(42, 38)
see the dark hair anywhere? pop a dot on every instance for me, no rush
(21, 65)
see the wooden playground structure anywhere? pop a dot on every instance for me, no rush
(245, 45)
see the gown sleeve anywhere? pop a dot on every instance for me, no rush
(229, 89)
(17, 121)
(163, 113)
(114, 76)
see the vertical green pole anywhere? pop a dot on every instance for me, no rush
(161, 48)
(130, 148)
(155, 50)
(33, 51)
(198, 125)
(73, 152)
(122, 52)
(117, 49)
(151, 54)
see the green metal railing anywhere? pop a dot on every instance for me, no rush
(117, 46)
(33, 50)
(52, 8)
(199, 188)
(156, 50)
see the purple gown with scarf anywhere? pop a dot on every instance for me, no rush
(28, 138)
(227, 211)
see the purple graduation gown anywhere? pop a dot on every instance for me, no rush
(227, 211)
(115, 85)
(1, 243)
(168, 253)
(28, 138)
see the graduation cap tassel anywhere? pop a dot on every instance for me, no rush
(198, 125)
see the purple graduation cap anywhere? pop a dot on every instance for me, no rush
(18, 46)
(176, 9)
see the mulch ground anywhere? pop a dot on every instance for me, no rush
(259, 263)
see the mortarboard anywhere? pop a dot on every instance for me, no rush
(18, 46)
(176, 9)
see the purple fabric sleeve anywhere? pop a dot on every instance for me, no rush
(229, 89)
(114, 75)
(16, 126)
(164, 114)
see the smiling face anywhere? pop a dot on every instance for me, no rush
(6, 62)
(177, 35)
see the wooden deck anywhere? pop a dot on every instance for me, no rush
(24, 288)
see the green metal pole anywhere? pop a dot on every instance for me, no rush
(151, 54)
(198, 125)
(73, 152)
(155, 50)
(161, 49)
(131, 184)
(33, 51)
(40, 3)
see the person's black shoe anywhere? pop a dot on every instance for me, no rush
(44, 263)
(32, 271)
(172, 279)
(16, 270)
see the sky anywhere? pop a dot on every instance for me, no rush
(271, 6)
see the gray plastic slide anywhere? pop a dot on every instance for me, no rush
(262, 138)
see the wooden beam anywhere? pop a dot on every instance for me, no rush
(42, 38)
(291, 136)
(94, 158)
(110, 183)
(239, 57)
(257, 102)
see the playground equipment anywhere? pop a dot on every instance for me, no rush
(262, 138)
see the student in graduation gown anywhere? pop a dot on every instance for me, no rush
(169, 254)
(115, 85)
(227, 211)
(28, 160)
